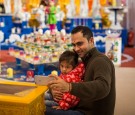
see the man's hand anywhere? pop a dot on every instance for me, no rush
(57, 95)
(59, 84)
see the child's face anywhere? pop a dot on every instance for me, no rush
(65, 67)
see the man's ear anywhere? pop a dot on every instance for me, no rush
(91, 42)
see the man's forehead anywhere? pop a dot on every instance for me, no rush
(75, 40)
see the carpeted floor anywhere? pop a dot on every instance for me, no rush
(130, 52)
(125, 95)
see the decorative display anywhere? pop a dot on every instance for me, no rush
(84, 8)
(60, 15)
(7, 5)
(96, 14)
(51, 15)
(116, 16)
(113, 50)
(36, 43)
(33, 22)
(96, 10)
(114, 46)
(42, 48)
(41, 16)
(18, 8)
(30, 75)
(1, 38)
(71, 9)
(10, 73)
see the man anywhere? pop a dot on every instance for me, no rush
(97, 92)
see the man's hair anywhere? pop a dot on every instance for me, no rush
(87, 33)
(70, 57)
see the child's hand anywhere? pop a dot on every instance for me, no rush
(55, 73)
(56, 107)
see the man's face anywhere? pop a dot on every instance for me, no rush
(80, 44)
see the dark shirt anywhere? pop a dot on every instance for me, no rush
(97, 92)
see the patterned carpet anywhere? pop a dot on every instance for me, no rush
(128, 57)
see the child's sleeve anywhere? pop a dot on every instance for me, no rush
(68, 101)
(78, 72)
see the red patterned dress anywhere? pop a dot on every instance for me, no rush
(76, 75)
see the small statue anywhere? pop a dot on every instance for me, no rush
(96, 10)
(51, 15)
(18, 9)
(7, 5)
(84, 8)
(30, 75)
(41, 16)
(71, 9)
(60, 14)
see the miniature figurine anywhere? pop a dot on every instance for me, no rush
(51, 15)
(30, 75)
(41, 16)
(84, 8)
(71, 9)
(7, 5)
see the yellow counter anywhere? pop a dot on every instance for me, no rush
(21, 98)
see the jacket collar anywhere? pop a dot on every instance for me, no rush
(89, 54)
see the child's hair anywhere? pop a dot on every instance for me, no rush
(70, 57)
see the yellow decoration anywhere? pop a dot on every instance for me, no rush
(33, 3)
(10, 73)
(105, 20)
(1, 1)
(33, 21)
(63, 4)
(21, 98)
(97, 25)
(54, 73)
(114, 3)
(103, 2)
(90, 3)
(77, 3)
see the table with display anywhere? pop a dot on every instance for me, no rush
(32, 65)
(21, 98)
(38, 55)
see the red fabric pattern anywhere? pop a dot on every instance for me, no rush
(76, 75)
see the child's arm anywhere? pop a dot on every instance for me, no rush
(75, 75)
(68, 101)
(78, 71)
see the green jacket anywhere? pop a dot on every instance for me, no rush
(97, 92)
